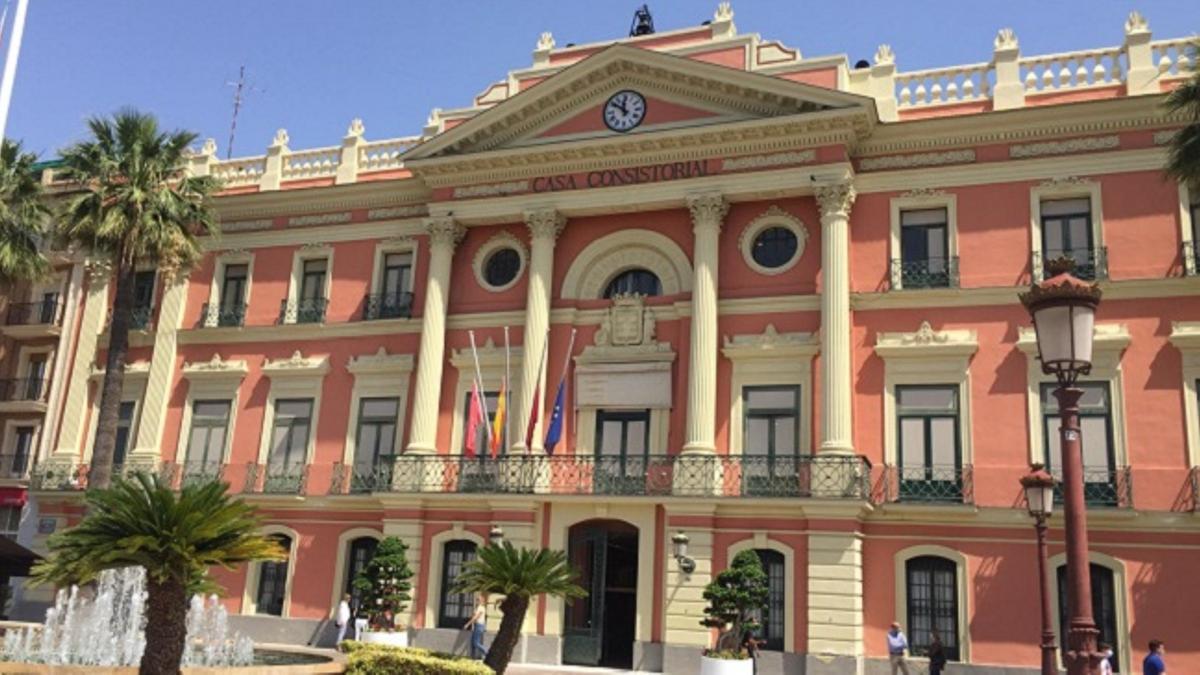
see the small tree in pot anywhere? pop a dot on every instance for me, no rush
(385, 586)
(735, 599)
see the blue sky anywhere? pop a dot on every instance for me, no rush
(320, 64)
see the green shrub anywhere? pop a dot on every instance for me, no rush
(382, 660)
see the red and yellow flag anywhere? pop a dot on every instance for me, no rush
(498, 422)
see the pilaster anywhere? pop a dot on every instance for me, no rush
(147, 449)
(95, 309)
(544, 228)
(60, 381)
(444, 235)
(835, 602)
(708, 214)
(835, 200)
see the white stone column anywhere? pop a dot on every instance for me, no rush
(836, 404)
(835, 601)
(544, 227)
(162, 370)
(444, 235)
(95, 309)
(708, 214)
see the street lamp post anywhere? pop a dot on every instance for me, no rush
(1039, 495)
(1064, 313)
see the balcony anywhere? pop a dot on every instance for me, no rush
(928, 273)
(387, 306)
(935, 484)
(222, 316)
(1190, 254)
(303, 310)
(14, 466)
(1102, 487)
(276, 479)
(1090, 265)
(181, 475)
(140, 317)
(24, 395)
(26, 320)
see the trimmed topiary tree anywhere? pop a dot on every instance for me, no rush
(734, 599)
(385, 585)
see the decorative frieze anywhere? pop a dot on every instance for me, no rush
(491, 190)
(247, 225)
(297, 365)
(216, 368)
(380, 363)
(395, 212)
(770, 342)
(319, 219)
(768, 161)
(917, 160)
(1164, 137)
(925, 193)
(1064, 147)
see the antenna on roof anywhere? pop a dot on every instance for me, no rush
(240, 89)
(643, 23)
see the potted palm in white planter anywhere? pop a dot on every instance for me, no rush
(735, 599)
(385, 587)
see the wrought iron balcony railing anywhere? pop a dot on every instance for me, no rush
(181, 475)
(58, 476)
(139, 317)
(387, 306)
(32, 389)
(928, 273)
(276, 479)
(1090, 264)
(14, 465)
(934, 484)
(222, 315)
(1194, 485)
(303, 310)
(1190, 255)
(362, 478)
(41, 312)
(1103, 487)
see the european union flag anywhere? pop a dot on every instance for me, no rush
(554, 433)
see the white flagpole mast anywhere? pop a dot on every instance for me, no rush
(537, 389)
(563, 381)
(10, 63)
(507, 396)
(487, 427)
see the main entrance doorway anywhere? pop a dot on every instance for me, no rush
(599, 629)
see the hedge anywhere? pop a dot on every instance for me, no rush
(382, 660)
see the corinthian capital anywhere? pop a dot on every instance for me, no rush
(444, 231)
(545, 223)
(835, 199)
(708, 210)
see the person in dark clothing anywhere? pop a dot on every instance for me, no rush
(937, 654)
(751, 644)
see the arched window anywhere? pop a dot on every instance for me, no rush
(456, 608)
(640, 281)
(932, 591)
(272, 581)
(1104, 608)
(773, 625)
(359, 553)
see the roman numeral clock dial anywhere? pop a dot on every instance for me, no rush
(624, 110)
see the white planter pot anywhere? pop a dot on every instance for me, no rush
(391, 639)
(726, 666)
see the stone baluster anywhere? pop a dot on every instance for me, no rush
(1009, 91)
(347, 170)
(273, 171)
(201, 163)
(444, 235)
(836, 405)
(544, 228)
(1142, 77)
(708, 214)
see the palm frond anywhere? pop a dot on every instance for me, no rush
(1183, 160)
(509, 571)
(23, 216)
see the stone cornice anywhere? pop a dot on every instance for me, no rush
(925, 342)
(297, 366)
(399, 193)
(215, 368)
(770, 344)
(1185, 335)
(380, 363)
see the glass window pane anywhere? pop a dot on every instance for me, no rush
(214, 453)
(769, 397)
(785, 436)
(611, 437)
(927, 398)
(314, 266)
(1054, 238)
(293, 408)
(944, 441)
(1095, 442)
(210, 411)
(197, 443)
(937, 243)
(757, 436)
(1064, 207)
(385, 408)
(923, 217)
(636, 442)
(912, 442)
(368, 444)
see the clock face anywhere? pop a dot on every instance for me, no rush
(624, 110)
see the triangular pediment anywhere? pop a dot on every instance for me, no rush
(679, 93)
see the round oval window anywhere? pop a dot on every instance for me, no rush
(502, 267)
(774, 247)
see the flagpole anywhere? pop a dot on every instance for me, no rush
(10, 63)
(508, 395)
(487, 427)
(537, 392)
(562, 382)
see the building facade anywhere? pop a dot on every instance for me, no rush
(785, 291)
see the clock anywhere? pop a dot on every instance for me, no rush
(624, 110)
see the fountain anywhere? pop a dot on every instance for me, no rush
(104, 627)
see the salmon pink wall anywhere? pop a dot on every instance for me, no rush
(466, 293)
(822, 77)
(738, 280)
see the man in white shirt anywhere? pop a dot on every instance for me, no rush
(343, 617)
(897, 647)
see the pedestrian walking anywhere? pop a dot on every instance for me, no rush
(478, 627)
(342, 618)
(1154, 664)
(1106, 665)
(751, 644)
(937, 654)
(897, 649)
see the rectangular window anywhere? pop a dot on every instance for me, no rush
(929, 459)
(312, 281)
(143, 298)
(289, 434)
(925, 248)
(233, 295)
(124, 431)
(210, 426)
(48, 310)
(10, 522)
(35, 382)
(1067, 231)
(456, 608)
(771, 438)
(622, 451)
(397, 272)
(376, 437)
(1095, 427)
(16, 464)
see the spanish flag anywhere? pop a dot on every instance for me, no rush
(498, 422)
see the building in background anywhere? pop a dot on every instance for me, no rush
(793, 289)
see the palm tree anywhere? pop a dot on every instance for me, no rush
(518, 575)
(1183, 162)
(136, 204)
(22, 216)
(176, 537)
